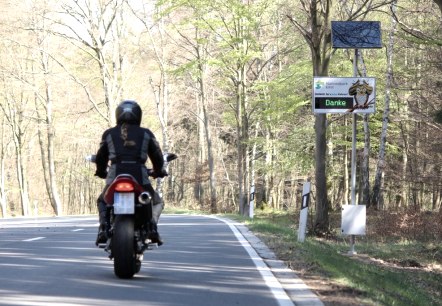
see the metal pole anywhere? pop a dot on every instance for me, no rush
(353, 163)
(353, 157)
(353, 147)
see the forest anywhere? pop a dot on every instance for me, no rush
(227, 86)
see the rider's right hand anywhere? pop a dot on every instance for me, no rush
(159, 174)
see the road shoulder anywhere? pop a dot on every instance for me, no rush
(295, 288)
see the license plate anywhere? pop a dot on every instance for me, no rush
(124, 203)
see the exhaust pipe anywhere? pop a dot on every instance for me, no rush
(144, 197)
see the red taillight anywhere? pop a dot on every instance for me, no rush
(124, 187)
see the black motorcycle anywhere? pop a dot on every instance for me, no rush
(129, 209)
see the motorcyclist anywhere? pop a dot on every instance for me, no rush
(127, 146)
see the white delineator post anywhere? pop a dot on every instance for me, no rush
(304, 211)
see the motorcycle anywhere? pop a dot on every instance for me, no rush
(130, 212)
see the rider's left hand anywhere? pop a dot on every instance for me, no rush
(101, 174)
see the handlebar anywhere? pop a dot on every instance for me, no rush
(91, 158)
(168, 157)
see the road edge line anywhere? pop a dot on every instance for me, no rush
(294, 288)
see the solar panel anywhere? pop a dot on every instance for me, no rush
(356, 34)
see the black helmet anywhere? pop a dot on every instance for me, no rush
(128, 111)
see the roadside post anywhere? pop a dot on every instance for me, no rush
(304, 211)
(350, 96)
(252, 202)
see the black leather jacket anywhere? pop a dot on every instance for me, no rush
(127, 147)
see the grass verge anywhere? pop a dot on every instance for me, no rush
(382, 273)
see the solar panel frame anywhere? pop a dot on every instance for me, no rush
(356, 34)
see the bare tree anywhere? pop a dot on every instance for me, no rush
(160, 87)
(44, 103)
(96, 28)
(377, 187)
(4, 145)
(13, 108)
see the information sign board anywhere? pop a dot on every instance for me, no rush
(343, 95)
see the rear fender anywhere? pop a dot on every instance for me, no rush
(122, 179)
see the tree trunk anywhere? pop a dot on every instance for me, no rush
(240, 156)
(162, 113)
(13, 111)
(346, 164)
(242, 120)
(318, 36)
(376, 199)
(321, 41)
(405, 151)
(21, 176)
(365, 167)
(267, 162)
(54, 196)
(3, 203)
(206, 124)
(322, 205)
(366, 163)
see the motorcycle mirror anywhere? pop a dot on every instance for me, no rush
(91, 158)
(171, 156)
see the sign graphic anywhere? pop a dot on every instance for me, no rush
(344, 95)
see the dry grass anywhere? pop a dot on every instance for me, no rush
(401, 249)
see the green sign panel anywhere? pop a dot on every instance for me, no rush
(333, 103)
(343, 95)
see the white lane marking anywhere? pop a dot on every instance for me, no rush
(33, 239)
(270, 280)
(78, 230)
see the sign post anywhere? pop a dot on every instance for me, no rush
(344, 95)
(336, 96)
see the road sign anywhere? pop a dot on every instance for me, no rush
(343, 95)
(353, 219)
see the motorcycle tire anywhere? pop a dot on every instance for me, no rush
(123, 250)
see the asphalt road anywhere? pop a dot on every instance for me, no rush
(204, 261)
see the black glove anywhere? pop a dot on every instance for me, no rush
(101, 174)
(160, 174)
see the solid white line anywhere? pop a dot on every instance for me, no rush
(270, 280)
(78, 230)
(33, 239)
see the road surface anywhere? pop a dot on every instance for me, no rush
(204, 261)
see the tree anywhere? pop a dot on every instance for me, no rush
(4, 144)
(44, 105)
(376, 198)
(317, 34)
(14, 109)
(96, 28)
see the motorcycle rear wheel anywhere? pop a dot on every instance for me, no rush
(123, 247)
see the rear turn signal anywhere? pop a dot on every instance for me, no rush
(124, 187)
